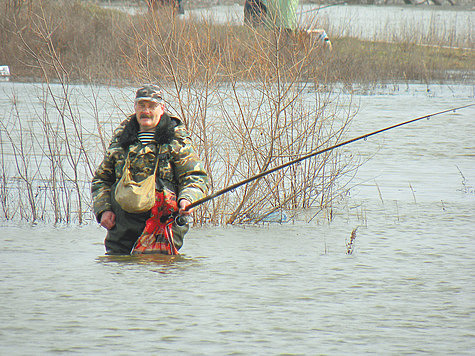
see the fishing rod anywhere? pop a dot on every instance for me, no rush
(269, 171)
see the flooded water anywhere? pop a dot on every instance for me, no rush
(408, 287)
(453, 26)
(447, 25)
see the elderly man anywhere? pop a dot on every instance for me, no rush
(146, 142)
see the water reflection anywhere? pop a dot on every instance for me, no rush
(165, 262)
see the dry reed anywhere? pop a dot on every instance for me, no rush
(96, 44)
(350, 244)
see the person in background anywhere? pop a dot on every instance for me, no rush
(152, 140)
(255, 12)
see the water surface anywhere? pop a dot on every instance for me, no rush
(448, 25)
(279, 289)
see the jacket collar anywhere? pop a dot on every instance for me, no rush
(164, 132)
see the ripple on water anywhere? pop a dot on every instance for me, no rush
(273, 289)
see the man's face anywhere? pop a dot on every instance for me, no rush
(148, 114)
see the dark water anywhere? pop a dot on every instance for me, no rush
(408, 287)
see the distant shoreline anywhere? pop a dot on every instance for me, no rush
(460, 5)
(457, 3)
(86, 43)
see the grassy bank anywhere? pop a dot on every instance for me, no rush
(92, 44)
(368, 61)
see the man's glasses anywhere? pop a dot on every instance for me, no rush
(142, 105)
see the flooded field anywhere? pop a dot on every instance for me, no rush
(407, 288)
(277, 289)
(452, 25)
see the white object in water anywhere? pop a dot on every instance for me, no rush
(4, 73)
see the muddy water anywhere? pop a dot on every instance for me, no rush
(407, 288)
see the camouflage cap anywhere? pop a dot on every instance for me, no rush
(149, 92)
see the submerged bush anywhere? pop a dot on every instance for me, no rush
(253, 98)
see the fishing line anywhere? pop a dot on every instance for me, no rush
(362, 137)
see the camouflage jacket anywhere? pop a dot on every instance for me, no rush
(179, 167)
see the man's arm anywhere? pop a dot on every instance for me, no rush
(101, 185)
(189, 169)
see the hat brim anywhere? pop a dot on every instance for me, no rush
(147, 99)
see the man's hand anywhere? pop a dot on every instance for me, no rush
(108, 219)
(183, 204)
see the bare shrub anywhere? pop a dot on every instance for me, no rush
(96, 45)
(246, 127)
(82, 35)
(252, 98)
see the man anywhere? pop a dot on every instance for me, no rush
(150, 139)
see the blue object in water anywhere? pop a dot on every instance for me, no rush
(278, 216)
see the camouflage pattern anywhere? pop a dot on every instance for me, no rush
(149, 92)
(180, 167)
(179, 170)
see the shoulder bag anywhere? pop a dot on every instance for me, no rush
(135, 197)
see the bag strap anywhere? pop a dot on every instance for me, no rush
(157, 160)
(126, 165)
